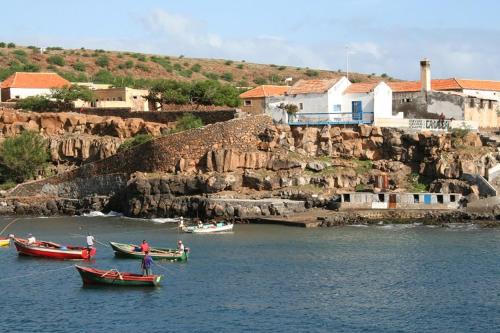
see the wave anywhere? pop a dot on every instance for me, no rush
(166, 220)
(101, 214)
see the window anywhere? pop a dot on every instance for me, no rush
(453, 198)
(381, 197)
(301, 106)
(347, 197)
(416, 198)
(113, 98)
(248, 102)
(481, 103)
(135, 97)
(120, 99)
(406, 100)
(17, 97)
(337, 108)
(440, 198)
(490, 104)
(472, 102)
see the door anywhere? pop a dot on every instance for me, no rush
(392, 201)
(357, 111)
(427, 199)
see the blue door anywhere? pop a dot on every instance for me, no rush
(357, 111)
(427, 199)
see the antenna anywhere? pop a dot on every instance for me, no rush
(347, 49)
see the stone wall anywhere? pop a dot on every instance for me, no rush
(165, 117)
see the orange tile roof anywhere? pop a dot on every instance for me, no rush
(265, 91)
(34, 80)
(358, 88)
(317, 86)
(479, 84)
(412, 86)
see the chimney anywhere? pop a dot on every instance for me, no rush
(425, 75)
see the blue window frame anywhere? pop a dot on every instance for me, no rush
(357, 110)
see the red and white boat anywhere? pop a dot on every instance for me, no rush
(52, 250)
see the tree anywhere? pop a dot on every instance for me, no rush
(79, 66)
(291, 109)
(36, 103)
(188, 121)
(24, 155)
(67, 95)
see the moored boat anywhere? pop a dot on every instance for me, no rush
(130, 251)
(4, 241)
(52, 250)
(114, 277)
(209, 228)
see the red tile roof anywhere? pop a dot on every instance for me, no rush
(446, 84)
(265, 91)
(479, 84)
(318, 86)
(358, 88)
(34, 80)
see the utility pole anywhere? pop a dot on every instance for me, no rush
(347, 61)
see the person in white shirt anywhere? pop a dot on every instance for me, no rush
(31, 239)
(180, 246)
(90, 242)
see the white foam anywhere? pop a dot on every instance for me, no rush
(165, 220)
(101, 214)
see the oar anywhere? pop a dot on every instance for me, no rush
(8, 225)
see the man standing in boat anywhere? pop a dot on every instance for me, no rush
(144, 246)
(180, 247)
(90, 242)
(147, 262)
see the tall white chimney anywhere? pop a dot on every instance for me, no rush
(425, 75)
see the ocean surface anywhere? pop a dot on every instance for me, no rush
(261, 278)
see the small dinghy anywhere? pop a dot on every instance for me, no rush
(4, 241)
(52, 250)
(113, 277)
(209, 228)
(130, 251)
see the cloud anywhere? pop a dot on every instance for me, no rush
(185, 35)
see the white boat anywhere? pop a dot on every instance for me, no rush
(208, 228)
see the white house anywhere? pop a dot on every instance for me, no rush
(21, 85)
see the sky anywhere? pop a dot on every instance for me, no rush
(461, 38)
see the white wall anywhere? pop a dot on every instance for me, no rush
(383, 102)
(366, 105)
(336, 94)
(25, 92)
(485, 94)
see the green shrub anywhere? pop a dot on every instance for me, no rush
(281, 68)
(363, 166)
(414, 183)
(243, 83)
(135, 141)
(165, 63)
(143, 68)
(272, 65)
(211, 76)
(384, 75)
(2, 44)
(188, 121)
(79, 66)
(239, 66)
(227, 77)
(360, 188)
(178, 67)
(185, 73)
(35, 103)
(228, 62)
(196, 68)
(56, 60)
(142, 58)
(20, 53)
(54, 48)
(102, 61)
(24, 155)
(11, 45)
(311, 73)
(260, 80)
(129, 64)
(119, 56)
(181, 56)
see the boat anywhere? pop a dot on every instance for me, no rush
(52, 250)
(209, 228)
(129, 251)
(114, 277)
(4, 241)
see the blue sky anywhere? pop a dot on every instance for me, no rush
(461, 38)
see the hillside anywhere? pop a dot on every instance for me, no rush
(137, 69)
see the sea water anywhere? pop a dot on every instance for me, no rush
(261, 278)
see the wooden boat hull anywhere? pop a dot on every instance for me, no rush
(95, 276)
(56, 252)
(4, 241)
(127, 251)
(208, 229)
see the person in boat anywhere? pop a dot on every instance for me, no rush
(147, 263)
(90, 242)
(144, 246)
(181, 222)
(31, 239)
(180, 246)
(200, 224)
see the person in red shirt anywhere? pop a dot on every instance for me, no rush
(144, 246)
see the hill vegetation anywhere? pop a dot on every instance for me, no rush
(144, 70)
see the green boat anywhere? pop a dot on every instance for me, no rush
(113, 277)
(130, 251)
